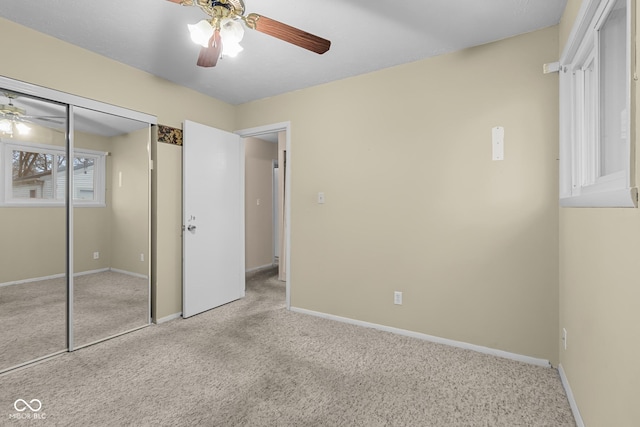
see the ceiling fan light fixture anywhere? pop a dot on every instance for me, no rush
(231, 30)
(23, 129)
(9, 126)
(231, 49)
(201, 32)
(231, 33)
(6, 126)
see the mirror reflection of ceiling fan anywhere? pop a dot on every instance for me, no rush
(14, 119)
(222, 33)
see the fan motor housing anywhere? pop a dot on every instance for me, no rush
(221, 8)
(11, 110)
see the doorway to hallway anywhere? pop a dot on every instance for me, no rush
(279, 133)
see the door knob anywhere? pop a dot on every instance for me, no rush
(191, 228)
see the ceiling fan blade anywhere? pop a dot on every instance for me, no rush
(288, 33)
(209, 55)
(43, 117)
(55, 120)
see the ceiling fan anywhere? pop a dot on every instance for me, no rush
(221, 34)
(14, 119)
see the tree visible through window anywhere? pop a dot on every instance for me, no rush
(40, 174)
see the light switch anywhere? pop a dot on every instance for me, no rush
(320, 198)
(497, 134)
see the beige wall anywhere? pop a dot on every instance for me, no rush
(599, 294)
(92, 226)
(130, 202)
(27, 250)
(167, 219)
(414, 202)
(259, 157)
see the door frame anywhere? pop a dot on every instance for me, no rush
(286, 128)
(275, 235)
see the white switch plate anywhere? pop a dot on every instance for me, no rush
(497, 134)
(397, 297)
(320, 198)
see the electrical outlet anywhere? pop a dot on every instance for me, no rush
(96, 255)
(564, 338)
(397, 297)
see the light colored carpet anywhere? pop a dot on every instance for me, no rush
(33, 315)
(252, 363)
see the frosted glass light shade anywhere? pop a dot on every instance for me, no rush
(201, 33)
(6, 126)
(231, 31)
(231, 49)
(23, 129)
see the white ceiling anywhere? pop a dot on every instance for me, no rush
(366, 35)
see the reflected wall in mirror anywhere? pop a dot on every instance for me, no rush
(33, 245)
(111, 226)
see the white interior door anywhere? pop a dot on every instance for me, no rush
(213, 218)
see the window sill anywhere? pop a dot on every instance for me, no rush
(51, 205)
(623, 198)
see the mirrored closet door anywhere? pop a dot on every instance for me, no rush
(110, 226)
(33, 229)
(74, 222)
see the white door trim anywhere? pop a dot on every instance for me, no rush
(272, 128)
(275, 199)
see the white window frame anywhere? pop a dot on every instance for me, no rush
(580, 182)
(6, 179)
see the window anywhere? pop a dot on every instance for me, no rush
(595, 75)
(36, 175)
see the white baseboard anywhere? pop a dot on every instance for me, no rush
(129, 273)
(572, 400)
(169, 318)
(486, 350)
(262, 267)
(34, 279)
(53, 276)
(86, 273)
(81, 273)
